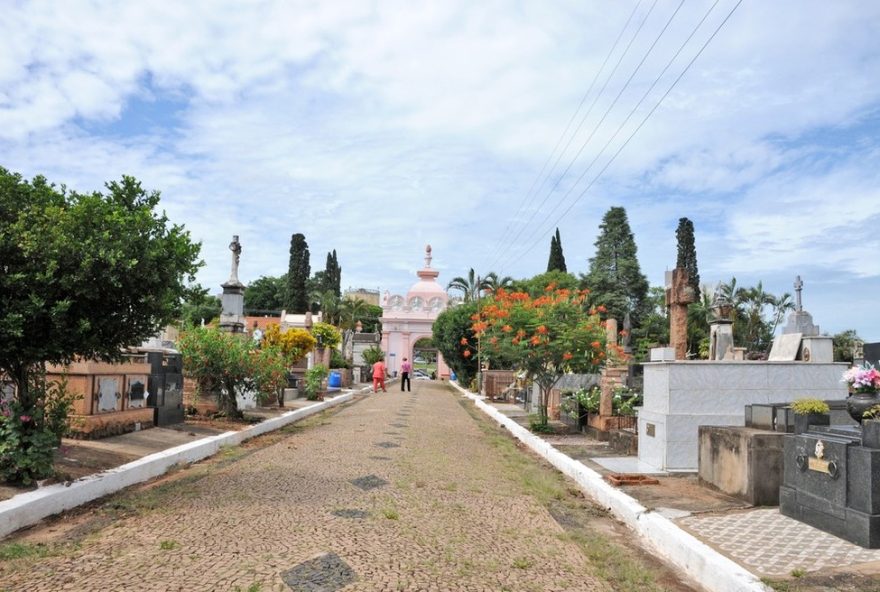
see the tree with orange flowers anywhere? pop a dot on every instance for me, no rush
(544, 336)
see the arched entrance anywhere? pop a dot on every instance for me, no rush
(424, 357)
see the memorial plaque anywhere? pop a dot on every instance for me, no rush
(107, 394)
(649, 429)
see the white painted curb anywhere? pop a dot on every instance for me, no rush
(709, 568)
(31, 507)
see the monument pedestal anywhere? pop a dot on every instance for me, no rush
(232, 302)
(832, 482)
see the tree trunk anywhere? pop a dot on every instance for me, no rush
(227, 402)
(545, 401)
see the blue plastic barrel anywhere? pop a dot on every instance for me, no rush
(452, 376)
(335, 380)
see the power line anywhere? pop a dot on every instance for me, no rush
(539, 228)
(642, 123)
(600, 122)
(500, 242)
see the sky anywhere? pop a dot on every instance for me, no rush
(375, 128)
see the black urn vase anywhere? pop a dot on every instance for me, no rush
(858, 403)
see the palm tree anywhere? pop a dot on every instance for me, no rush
(493, 283)
(470, 287)
(755, 300)
(328, 304)
(350, 309)
(781, 305)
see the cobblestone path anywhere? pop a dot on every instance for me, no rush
(401, 491)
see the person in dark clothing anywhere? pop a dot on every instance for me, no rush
(405, 369)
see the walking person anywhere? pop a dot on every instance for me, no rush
(405, 369)
(379, 376)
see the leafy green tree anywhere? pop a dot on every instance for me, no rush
(654, 328)
(614, 278)
(199, 306)
(545, 336)
(557, 259)
(82, 274)
(297, 296)
(226, 365)
(470, 286)
(687, 253)
(450, 327)
(845, 344)
(535, 286)
(266, 294)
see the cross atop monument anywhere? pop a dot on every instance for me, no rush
(798, 286)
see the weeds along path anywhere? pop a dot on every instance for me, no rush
(402, 491)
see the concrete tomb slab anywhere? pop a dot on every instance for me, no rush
(785, 347)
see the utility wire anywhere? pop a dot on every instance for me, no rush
(599, 123)
(539, 228)
(605, 115)
(499, 244)
(644, 120)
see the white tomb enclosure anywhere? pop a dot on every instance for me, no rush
(680, 396)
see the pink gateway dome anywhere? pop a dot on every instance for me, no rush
(427, 286)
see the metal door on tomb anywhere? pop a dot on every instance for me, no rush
(165, 387)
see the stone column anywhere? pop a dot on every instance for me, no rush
(678, 295)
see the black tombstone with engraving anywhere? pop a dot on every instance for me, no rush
(166, 387)
(832, 482)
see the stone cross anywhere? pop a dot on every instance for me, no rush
(235, 247)
(798, 286)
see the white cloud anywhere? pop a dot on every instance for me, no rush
(375, 129)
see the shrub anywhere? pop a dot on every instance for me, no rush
(313, 379)
(624, 400)
(373, 354)
(808, 406)
(337, 360)
(28, 436)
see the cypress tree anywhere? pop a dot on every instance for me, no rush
(331, 279)
(687, 253)
(614, 278)
(557, 259)
(298, 275)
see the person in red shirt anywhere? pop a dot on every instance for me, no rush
(405, 369)
(379, 376)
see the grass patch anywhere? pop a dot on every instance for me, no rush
(255, 587)
(521, 563)
(390, 513)
(626, 569)
(168, 545)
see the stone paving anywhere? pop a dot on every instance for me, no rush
(342, 505)
(770, 544)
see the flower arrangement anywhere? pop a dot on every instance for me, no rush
(862, 379)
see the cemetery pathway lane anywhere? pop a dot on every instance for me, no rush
(401, 491)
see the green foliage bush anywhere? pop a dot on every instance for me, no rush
(373, 354)
(29, 435)
(337, 360)
(808, 406)
(313, 378)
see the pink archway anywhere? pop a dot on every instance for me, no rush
(406, 319)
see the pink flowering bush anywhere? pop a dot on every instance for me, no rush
(863, 379)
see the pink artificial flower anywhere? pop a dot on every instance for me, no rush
(25, 418)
